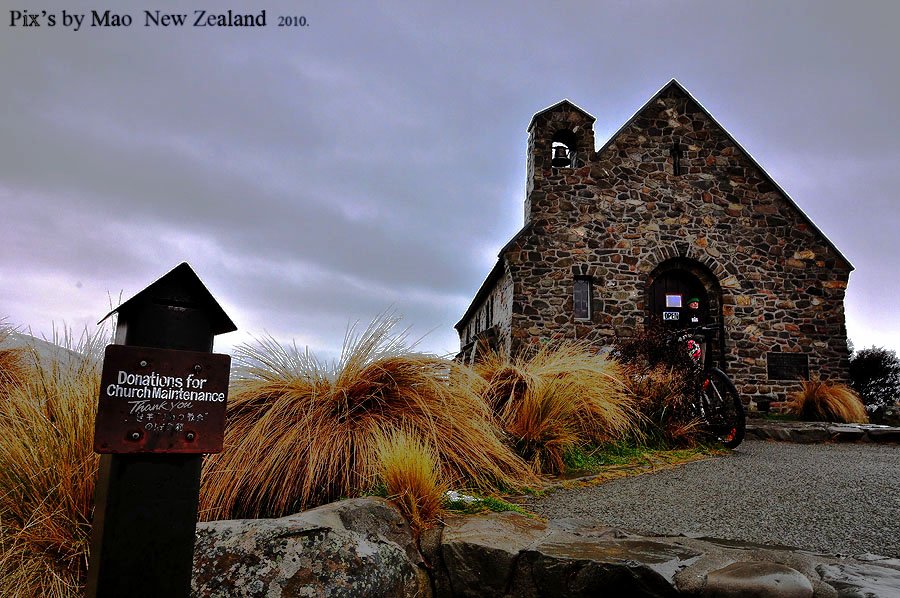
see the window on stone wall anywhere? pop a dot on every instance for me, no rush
(676, 158)
(582, 298)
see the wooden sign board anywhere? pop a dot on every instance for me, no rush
(161, 401)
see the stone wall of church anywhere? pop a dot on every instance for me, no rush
(495, 310)
(623, 212)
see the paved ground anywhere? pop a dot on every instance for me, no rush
(832, 498)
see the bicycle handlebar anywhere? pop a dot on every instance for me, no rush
(708, 328)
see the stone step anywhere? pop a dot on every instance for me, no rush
(815, 432)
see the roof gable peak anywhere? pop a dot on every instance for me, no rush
(179, 287)
(676, 85)
(565, 102)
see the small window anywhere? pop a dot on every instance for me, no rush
(582, 299)
(673, 300)
(677, 154)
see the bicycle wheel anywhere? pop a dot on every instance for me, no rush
(724, 410)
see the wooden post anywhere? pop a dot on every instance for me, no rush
(146, 500)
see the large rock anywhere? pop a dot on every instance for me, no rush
(363, 547)
(480, 553)
(862, 580)
(757, 580)
(359, 547)
(508, 555)
(816, 432)
(511, 555)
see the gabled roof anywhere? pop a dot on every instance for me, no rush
(492, 277)
(560, 104)
(676, 85)
(180, 287)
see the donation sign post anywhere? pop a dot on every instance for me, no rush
(161, 400)
(161, 407)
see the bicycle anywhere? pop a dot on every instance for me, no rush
(717, 402)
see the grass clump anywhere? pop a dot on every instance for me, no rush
(302, 433)
(661, 397)
(541, 424)
(48, 469)
(13, 360)
(614, 453)
(818, 400)
(595, 459)
(582, 458)
(562, 396)
(410, 477)
(663, 378)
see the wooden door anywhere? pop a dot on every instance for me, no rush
(671, 298)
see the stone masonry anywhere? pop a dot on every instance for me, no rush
(671, 190)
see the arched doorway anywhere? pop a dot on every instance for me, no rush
(683, 293)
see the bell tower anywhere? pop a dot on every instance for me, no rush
(560, 141)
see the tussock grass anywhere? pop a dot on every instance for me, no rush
(12, 367)
(662, 398)
(663, 378)
(47, 469)
(542, 423)
(301, 433)
(818, 400)
(411, 477)
(560, 396)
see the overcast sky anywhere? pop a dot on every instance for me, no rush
(376, 158)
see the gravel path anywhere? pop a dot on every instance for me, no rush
(832, 498)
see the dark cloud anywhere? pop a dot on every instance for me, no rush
(317, 176)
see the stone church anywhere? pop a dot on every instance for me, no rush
(671, 220)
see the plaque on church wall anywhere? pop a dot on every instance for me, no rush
(787, 366)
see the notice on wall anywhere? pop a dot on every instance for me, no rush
(787, 366)
(669, 316)
(161, 401)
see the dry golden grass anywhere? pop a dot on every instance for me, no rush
(818, 400)
(302, 433)
(562, 395)
(668, 418)
(13, 361)
(411, 477)
(12, 367)
(47, 471)
(542, 423)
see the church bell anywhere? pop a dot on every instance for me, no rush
(561, 157)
